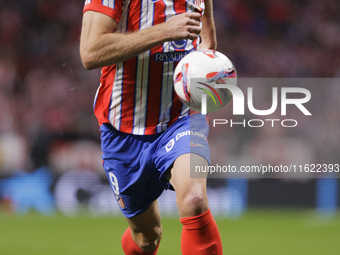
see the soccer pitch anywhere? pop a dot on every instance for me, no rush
(258, 232)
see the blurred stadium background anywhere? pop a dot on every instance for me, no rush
(49, 138)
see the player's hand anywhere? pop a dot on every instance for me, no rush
(183, 26)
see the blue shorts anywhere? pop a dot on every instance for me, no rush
(136, 165)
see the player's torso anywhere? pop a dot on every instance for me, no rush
(142, 14)
(142, 100)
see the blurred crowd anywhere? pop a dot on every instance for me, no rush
(46, 95)
(280, 38)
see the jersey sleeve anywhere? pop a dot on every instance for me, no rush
(112, 8)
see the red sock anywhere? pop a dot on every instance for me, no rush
(200, 235)
(131, 248)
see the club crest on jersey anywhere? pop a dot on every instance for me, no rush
(199, 4)
(120, 201)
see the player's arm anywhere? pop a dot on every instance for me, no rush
(100, 46)
(208, 33)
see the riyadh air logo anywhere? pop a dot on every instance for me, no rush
(179, 44)
(209, 93)
(177, 51)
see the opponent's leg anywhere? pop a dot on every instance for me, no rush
(144, 232)
(200, 234)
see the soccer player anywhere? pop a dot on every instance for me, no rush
(148, 136)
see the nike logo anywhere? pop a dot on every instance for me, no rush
(196, 144)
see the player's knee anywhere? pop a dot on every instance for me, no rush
(148, 242)
(193, 204)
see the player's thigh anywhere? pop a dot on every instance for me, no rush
(146, 227)
(191, 193)
(179, 174)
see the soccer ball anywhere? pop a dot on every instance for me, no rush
(211, 68)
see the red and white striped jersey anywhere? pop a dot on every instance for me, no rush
(137, 95)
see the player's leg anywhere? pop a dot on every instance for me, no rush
(144, 232)
(135, 182)
(200, 234)
(191, 193)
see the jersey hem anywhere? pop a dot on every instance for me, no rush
(152, 130)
